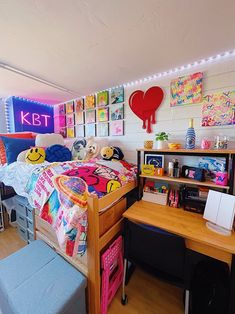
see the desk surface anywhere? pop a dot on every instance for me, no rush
(185, 224)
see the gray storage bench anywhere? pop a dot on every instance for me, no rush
(37, 280)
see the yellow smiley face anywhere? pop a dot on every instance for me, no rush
(35, 155)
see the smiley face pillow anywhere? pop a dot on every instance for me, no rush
(35, 155)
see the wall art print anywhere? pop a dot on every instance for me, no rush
(90, 102)
(117, 112)
(117, 95)
(70, 119)
(79, 104)
(186, 89)
(70, 132)
(145, 104)
(90, 116)
(103, 98)
(80, 130)
(103, 114)
(69, 107)
(79, 117)
(90, 129)
(103, 129)
(117, 128)
(218, 109)
(63, 132)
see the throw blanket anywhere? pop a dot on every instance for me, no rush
(60, 192)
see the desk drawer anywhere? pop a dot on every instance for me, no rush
(21, 220)
(30, 212)
(111, 216)
(22, 233)
(21, 209)
(30, 225)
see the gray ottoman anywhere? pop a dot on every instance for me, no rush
(37, 280)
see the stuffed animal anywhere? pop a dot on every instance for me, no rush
(35, 155)
(92, 149)
(112, 152)
(79, 149)
(58, 153)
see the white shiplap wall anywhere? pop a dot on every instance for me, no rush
(217, 76)
(3, 128)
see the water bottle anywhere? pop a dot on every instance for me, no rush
(190, 136)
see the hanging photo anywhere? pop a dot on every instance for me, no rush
(117, 95)
(70, 119)
(156, 160)
(117, 128)
(59, 110)
(90, 116)
(90, 102)
(79, 104)
(117, 112)
(70, 132)
(63, 132)
(80, 130)
(90, 129)
(103, 129)
(103, 114)
(69, 107)
(79, 117)
(103, 98)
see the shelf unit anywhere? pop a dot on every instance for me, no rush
(228, 154)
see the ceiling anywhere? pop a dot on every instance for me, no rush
(90, 45)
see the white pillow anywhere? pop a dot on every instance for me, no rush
(21, 156)
(46, 140)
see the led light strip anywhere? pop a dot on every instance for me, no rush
(217, 57)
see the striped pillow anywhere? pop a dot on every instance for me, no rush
(3, 159)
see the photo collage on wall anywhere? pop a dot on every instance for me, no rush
(101, 115)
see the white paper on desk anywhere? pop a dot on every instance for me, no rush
(226, 211)
(212, 206)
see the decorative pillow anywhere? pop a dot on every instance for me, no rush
(3, 158)
(35, 155)
(21, 156)
(56, 153)
(49, 139)
(13, 146)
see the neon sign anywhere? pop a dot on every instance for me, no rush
(27, 115)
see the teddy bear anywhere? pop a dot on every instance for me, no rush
(92, 149)
(79, 149)
(111, 152)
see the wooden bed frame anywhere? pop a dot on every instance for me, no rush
(103, 227)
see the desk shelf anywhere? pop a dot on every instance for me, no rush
(209, 184)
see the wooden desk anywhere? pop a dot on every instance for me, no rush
(190, 226)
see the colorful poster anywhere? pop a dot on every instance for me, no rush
(116, 112)
(90, 102)
(103, 98)
(63, 132)
(103, 114)
(70, 132)
(79, 117)
(69, 107)
(80, 131)
(90, 129)
(186, 89)
(79, 104)
(117, 128)
(117, 95)
(70, 119)
(218, 109)
(90, 116)
(103, 129)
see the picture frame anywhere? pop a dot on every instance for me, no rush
(116, 112)
(79, 117)
(90, 116)
(90, 129)
(102, 98)
(63, 132)
(103, 114)
(116, 128)
(153, 159)
(70, 120)
(79, 104)
(70, 132)
(90, 102)
(69, 107)
(103, 129)
(80, 130)
(117, 95)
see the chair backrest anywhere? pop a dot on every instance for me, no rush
(155, 247)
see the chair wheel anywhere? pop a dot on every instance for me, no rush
(125, 300)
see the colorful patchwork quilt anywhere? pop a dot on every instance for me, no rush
(60, 192)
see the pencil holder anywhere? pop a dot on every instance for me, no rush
(148, 144)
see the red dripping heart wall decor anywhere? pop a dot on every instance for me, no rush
(144, 105)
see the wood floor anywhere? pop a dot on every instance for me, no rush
(146, 294)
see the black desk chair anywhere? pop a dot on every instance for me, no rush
(156, 250)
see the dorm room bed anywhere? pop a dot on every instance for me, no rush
(104, 214)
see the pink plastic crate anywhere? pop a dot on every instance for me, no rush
(112, 273)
